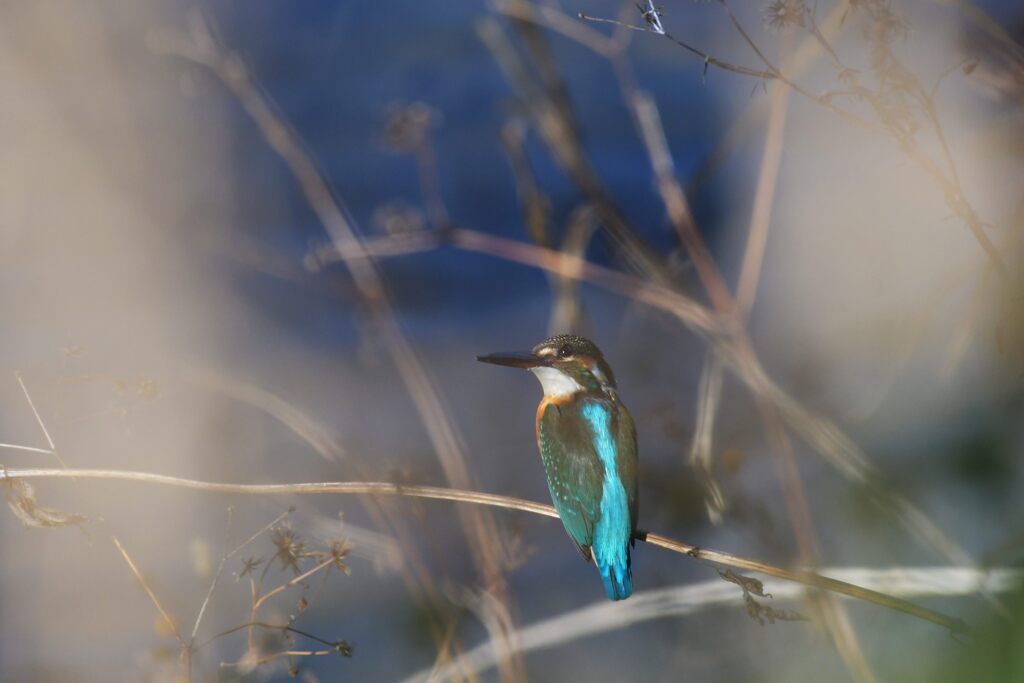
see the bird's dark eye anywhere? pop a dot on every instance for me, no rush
(565, 351)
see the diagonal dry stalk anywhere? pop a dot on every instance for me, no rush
(648, 120)
(764, 197)
(807, 578)
(482, 533)
(39, 420)
(701, 458)
(28, 449)
(184, 648)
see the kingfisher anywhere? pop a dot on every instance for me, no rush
(587, 444)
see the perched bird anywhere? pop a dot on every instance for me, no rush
(588, 445)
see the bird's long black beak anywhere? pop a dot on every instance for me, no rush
(514, 359)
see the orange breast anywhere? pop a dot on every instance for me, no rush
(547, 401)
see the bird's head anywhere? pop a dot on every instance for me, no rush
(565, 365)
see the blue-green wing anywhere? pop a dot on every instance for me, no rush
(574, 472)
(628, 462)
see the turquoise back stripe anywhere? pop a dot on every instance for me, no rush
(614, 528)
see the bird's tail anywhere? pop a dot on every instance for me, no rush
(617, 577)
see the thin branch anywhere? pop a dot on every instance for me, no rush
(182, 644)
(693, 314)
(39, 419)
(701, 458)
(268, 626)
(489, 499)
(708, 59)
(746, 37)
(764, 195)
(296, 580)
(30, 449)
(213, 583)
(646, 114)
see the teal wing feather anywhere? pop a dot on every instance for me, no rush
(574, 472)
(628, 463)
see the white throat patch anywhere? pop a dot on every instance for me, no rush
(556, 383)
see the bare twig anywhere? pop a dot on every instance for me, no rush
(183, 645)
(567, 307)
(39, 420)
(678, 208)
(295, 580)
(709, 394)
(29, 449)
(284, 628)
(708, 59)
(478, 498)
(757, 237)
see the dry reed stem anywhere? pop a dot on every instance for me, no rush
(806, 578)
(29, 449)
(676, 205)
(701, 458)
(764, 195)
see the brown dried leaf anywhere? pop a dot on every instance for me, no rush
(758, 612)
(22, 499)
